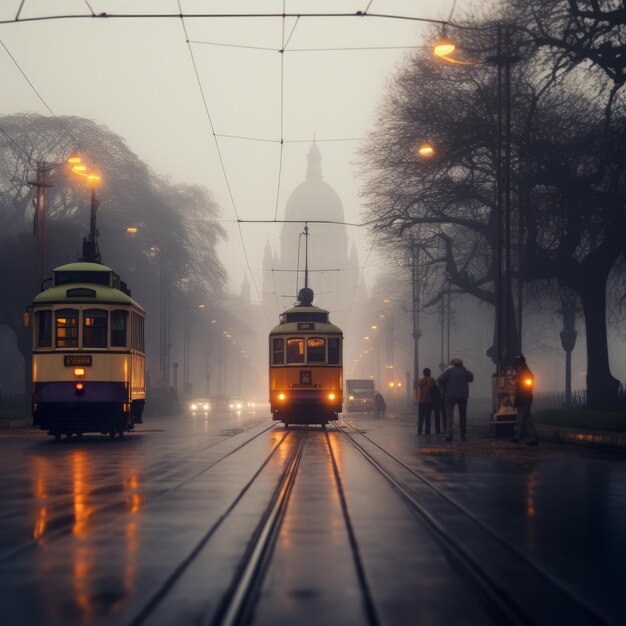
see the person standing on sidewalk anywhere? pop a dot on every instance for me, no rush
(455, 382)
(427, 386)
(380, 405)
(524, 383)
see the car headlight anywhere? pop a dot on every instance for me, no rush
(194, 407)
(239, 405)
(351, 397)
(205, 407)
(231, 406)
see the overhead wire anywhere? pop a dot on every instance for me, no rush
(282, 106)
(219, 153)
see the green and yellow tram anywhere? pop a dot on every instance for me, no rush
(88, 353)
(305, 374)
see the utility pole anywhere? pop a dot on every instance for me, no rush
(39, 221)
(415, 308)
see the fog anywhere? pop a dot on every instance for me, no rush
(222, 128)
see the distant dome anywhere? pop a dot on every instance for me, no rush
(314, 199)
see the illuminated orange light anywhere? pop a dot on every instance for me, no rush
(79, 371)
(281, 396)
(79, 386)
(528, 382)
(444, 48)
(331, 396)
(93, 178)
(131, 230)
(201, 306)
(75, 160)
(426, 150)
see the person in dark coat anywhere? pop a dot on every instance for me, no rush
(455, 383)
(427, 389)
(380, 405)
(524, 383)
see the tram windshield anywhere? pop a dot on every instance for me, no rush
(278, 351)
(334, 351)
(295, 350)
(67, 328)
(44, 329)
(316, 350)
(95, 328)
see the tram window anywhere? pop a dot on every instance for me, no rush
(278, 351)
(334, 357)
(316, 350)
(94, 328)
(118, 329)
(295, 350)
(67, 328)
(44, 329)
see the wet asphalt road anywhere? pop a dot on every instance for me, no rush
(380, 527)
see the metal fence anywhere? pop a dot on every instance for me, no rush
(556, 399)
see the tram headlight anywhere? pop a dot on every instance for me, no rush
(79, 371)
(205, 406)
(194, 406)
(331, 396)
(281, 396)
(80, 389)
(528, 382)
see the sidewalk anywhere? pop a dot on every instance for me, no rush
(582, 436)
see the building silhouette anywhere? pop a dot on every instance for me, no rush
(333, 260)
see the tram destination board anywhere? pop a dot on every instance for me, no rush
(73, 360)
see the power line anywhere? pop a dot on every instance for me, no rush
(274, 221)
(219, 152)
(181, 15)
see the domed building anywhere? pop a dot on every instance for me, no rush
(333, 267)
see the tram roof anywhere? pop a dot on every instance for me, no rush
(82, 266)
(305, 314)
(104, 294)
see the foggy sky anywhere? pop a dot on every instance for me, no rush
(137, 77)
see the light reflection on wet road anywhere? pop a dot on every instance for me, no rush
(90, 530)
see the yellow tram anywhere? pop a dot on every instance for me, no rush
(305, 374)
(88, 353)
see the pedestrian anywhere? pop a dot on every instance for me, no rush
(380, 406)
(524, 383)
(455, 381)
(427, 388)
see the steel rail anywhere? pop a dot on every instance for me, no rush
(487, 582)
(163, 589)
(239, 601)
(168, 466)
(370, 607)
(62, 528)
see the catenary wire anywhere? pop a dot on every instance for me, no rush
(219, 153)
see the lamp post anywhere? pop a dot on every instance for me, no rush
(507, 334)
(91, 250)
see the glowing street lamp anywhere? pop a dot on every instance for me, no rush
(91, 251)
(426, 150)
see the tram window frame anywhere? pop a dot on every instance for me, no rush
(300, 359)
(334, 352)
(278, 356)
(96, 335)
(318, 352)
(68, 340)
(119, 336)
(43, 326)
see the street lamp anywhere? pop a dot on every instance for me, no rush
(91, 251)
(507, 336)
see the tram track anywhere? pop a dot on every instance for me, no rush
(105, 487)
(67, 521)
(495, 587)
(246, 580)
